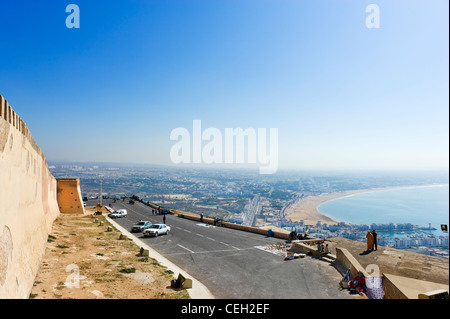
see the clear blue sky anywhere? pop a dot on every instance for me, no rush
(341, 95)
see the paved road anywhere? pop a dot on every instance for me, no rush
(231, 263)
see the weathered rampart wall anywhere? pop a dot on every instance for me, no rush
(69, 196)
(28, 205)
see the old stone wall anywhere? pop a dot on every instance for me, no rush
(69, 196)
(28, 205)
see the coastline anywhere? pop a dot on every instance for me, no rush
(306, 209)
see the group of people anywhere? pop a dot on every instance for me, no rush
(215, 221)
(323, 247)
(372, 240)
(293, 235)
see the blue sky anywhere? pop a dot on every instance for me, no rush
(342, 96)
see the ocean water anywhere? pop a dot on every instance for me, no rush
(421, 205)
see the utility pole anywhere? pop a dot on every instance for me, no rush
(101, 189)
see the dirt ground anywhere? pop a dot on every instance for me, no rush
(86, 260)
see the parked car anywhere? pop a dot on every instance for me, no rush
(141, 226)
(118, 213)
(156, 230)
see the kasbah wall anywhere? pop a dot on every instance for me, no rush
(69, 196)
(28, 205)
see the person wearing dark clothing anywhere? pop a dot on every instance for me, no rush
(374, 246)
(164, 218)
(292, 235)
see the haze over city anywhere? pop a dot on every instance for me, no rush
(342, 95)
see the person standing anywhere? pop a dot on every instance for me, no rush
(374, 245)
(164, 217)
(369, 237)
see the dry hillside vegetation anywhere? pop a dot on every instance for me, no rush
(85, 259)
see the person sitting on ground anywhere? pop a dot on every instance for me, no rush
(292, 235)
(319, 247)
(357, 283)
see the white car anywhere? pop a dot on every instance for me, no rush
(156, 229)
(118, 213)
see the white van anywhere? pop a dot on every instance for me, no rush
(118, 213)
(123, 212)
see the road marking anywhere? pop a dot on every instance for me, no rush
(252, 236)
(187, 231)
(235, 247)
(186, 249)
(205, 225)
(211, 251)
(211, 238)
(200, 235)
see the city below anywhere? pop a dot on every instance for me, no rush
(248, 198)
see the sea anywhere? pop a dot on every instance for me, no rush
(423, 206)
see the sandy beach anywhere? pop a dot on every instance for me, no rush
(306, 209)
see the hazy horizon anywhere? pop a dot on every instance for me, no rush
(254, 169)
(343, 96)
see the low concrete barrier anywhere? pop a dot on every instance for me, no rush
(345, 260)
(399, 287)
(302, 246)
(208, 220)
